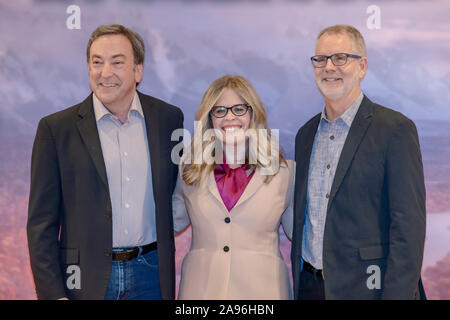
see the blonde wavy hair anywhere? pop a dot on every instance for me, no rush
(195, 172)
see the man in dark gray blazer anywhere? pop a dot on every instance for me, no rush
(100, 210)
(359, 208)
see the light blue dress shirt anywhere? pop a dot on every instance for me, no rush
(328, 143)
(127, 160)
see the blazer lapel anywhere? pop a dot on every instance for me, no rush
(212, 187)
(87, 126)
(303, 160)
(357, 131)
(152, 125)
(255, 183)
(308, 141)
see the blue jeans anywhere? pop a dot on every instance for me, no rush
(135, 279)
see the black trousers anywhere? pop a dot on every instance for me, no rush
(311, 286)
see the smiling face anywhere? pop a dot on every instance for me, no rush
(112, 73)
(231, 128)
(343, 82)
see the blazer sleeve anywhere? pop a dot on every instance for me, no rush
(287, 219)
(406, 192)
(180, 216)
(43, 222)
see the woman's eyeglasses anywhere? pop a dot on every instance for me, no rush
(238, 110)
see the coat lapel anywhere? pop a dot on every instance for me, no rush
(87, 126)
(152, 125)
(212, 187)
(306, 147)
(357, 131)
(255, 183)
(303, 160)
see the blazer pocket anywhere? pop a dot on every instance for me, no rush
(69, 256)
(374, 252)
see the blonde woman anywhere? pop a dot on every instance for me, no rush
(234, 203)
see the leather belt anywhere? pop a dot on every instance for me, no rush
(132, 253)
(309, 268)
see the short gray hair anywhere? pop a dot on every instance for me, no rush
(357, 39)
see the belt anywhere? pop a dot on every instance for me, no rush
(309, 268)
(132, 253)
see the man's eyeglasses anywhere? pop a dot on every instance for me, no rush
(238, 110)
(338, 59)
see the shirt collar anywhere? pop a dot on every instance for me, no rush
(349, 114)
(100, 110)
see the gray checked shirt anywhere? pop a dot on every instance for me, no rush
(328, 142)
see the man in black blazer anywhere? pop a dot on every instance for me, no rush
(359, 208)
(101, 184)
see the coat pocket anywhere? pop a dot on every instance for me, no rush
(69, 255)
(374, 252)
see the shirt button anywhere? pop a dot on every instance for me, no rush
(127, 205)
(227, 220)
(126, 231)
(327, 196)
(226, 248)
(328, 166)
(332, 138)
(125, 153)
(127, 179)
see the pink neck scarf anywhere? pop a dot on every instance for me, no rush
(231, 183)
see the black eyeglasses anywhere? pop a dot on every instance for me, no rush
(238, 110)
(338, 59)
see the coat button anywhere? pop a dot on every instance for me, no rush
(226, 248)
(108, 214)
(107, 253)
(227, 220)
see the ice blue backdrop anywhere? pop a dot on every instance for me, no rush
(190, 43)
